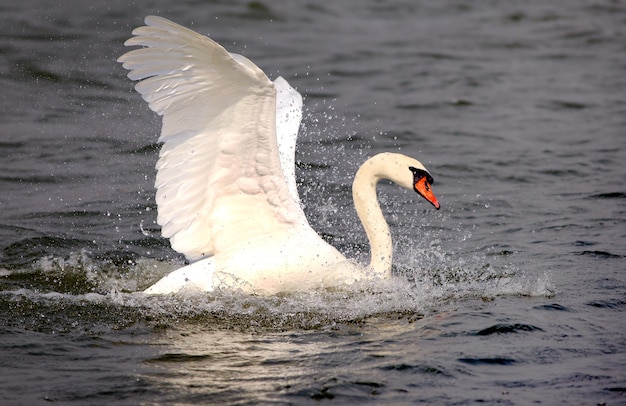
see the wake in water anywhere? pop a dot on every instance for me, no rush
(426, 280)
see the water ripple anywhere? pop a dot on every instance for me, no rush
(507, 329)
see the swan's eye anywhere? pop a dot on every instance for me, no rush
(419, 174)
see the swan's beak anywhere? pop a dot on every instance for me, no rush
(423, 188)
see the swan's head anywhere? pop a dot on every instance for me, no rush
(406, 172)
(422, 180)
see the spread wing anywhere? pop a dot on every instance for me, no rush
(220, 181)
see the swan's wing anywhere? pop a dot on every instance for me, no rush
(219, 179)
(288, 117)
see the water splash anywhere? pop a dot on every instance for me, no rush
(83, 291)
(436, 263)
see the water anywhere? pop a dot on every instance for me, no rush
(513, 293)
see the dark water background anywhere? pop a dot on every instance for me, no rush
(513, 293)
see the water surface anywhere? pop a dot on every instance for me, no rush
(513, 293)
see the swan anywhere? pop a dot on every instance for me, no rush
(226, 189)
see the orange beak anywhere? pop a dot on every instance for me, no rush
(423, 188)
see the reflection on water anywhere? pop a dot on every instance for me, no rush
(343, 359)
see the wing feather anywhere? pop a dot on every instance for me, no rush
(288, 117)
(219, 178)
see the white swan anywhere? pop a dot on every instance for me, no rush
(226, 190)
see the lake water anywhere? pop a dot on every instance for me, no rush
(513, 293)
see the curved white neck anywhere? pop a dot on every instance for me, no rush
(371, 216)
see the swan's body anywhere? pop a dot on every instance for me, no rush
(226, 190)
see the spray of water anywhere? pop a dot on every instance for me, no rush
(436, 263)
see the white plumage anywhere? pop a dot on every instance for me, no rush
(226, 190)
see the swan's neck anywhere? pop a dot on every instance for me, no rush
(371, 216)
